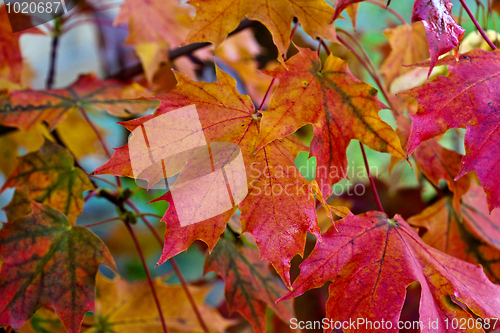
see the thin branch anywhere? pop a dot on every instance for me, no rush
(104, 221)
(372, 182)
(173, 263)
(478, 26)
(130, 72)
(104, 180)
(148, 274)
(368, 65)
(99, 136)
(90, 195)
(53, 56)
(390, 10)
(96, 131)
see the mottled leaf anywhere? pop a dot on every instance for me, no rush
(373, 259)
(49, 176)
(250, 288)
(47, 261)
(26, 108)
(123, 307)
(339, 106)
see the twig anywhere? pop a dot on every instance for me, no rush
(368, 65)
(99, 136)
(148, 274)
(274, 79)
(52, 65)
(372, 182)
(104, 180)
(174, 266)
(130, 72)
(104, 221)
(478, 26)
(390, 10)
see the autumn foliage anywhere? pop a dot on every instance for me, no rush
(300, 93)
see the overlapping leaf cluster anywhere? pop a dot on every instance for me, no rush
(47, 262)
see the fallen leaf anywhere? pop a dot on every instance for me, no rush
(339, 106)
(47, 261)
(373, 259)
(250, 288)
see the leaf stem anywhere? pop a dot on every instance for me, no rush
(174, 265)
(104, 180)
(478, 26)
(148, 274)
(274, 79)
(99, 137)
(368, 64)
(372, 181)
(104, 221)
(390, 10)
(130, 72)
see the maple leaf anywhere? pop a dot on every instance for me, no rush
(49, 176)
(48, 261)
(408, 45)
(240, 52)
(467, 98)
(339, 106)
(130, 307)
(25, 108)
(249, 285)
(352, 7)
(471, 234)
(215, 19)
(11, 143)
(436, 162)
(43, 321)
(11, 60)
(154, 25)
(443, 33)
(275, 184)
(373, 259)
